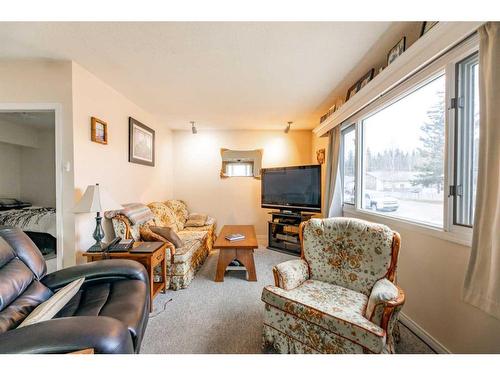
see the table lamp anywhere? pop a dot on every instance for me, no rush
(96, 199)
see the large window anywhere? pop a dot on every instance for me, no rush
(466, 106)
(412, 154)
(348, 165)
(403, 156)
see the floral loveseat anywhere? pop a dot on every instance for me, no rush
(185, 261)
(340, 297)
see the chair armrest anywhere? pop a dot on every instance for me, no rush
(103, 270)
(291, 274)
(64, 335)
(385, 298)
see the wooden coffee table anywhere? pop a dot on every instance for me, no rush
(241, 250)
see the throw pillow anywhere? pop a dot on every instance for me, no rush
(196, 220)
(48, 309)
(169, 234)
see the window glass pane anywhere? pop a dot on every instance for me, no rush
(348, 165)
(467, 145)
(403, 156)
(239, 169)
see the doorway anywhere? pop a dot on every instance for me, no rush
(31, 181)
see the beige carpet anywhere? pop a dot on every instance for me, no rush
(210, 317)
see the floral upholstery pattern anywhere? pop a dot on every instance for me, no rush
(182, 263)
(180, 212)
(335, 309)
(286, 334)
(347, 252)
(382, 291)
(340, 297)
(291, 274)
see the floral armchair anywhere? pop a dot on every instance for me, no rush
(340, 297)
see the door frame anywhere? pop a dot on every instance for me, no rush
(57, 108)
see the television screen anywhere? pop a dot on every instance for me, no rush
(293, 188)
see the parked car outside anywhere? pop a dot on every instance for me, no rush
(380, 201)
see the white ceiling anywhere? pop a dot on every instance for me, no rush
(41, 120)
(221, 75)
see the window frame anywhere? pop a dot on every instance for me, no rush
(351, 127)
(445, 64)
(457, 118)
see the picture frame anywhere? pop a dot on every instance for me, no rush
(141, 141)
(365, 79)
(320, 156)
(98, 131)
(352, 91)
(396, 51)
(426, 26)
(362, 82)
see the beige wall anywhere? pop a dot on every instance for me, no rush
(233, 200)
(38, 170)
(44, 81)
(108, 164)
(431, 271)
(10, 167)
(317, 143)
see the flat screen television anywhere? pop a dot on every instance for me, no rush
(292, 188)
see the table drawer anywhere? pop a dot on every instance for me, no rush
(158, 256)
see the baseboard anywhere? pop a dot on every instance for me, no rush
(262, 239)
(423, 335)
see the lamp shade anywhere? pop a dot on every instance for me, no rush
(96, 199)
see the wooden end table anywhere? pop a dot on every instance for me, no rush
(149, 260)
(241, 250)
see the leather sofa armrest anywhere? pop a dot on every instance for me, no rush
(64, 335)
(291, 274)
(102, 270)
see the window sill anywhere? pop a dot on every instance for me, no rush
(460, 237)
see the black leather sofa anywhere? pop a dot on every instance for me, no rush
(108, 314)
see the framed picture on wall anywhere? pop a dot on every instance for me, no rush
(396, 51)
(141, 143)
(98, 131)
(426, 26)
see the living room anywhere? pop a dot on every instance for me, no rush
(359, 235)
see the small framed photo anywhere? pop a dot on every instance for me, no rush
(141, 141)
(426, 26)
(396, 51)
(98, 131)
(352, 91)
(366, 78)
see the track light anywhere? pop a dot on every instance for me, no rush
(193, 128)
(287, 129)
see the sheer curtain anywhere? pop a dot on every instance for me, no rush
(482, 282)
(332, 200)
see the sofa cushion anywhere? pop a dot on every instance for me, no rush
(192, 242)
(47, 310)
(169, 234)
(163, 215)
(336, 309)
(180, 212)
(196, 220)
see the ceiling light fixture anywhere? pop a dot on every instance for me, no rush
(287, 129)
(193, 128)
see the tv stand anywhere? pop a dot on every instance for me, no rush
(283, 231)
